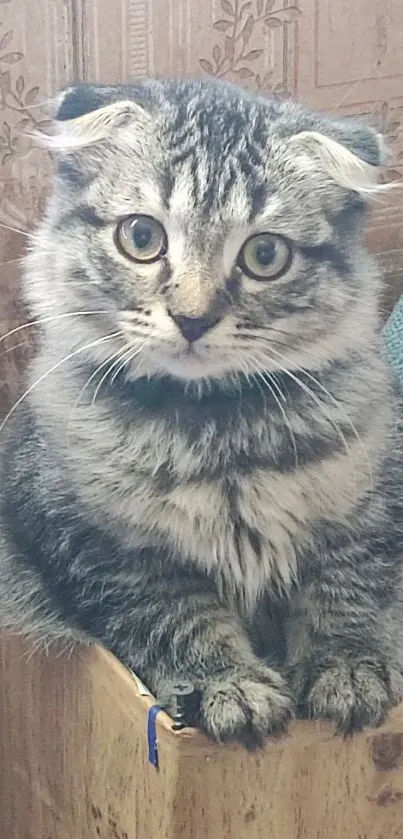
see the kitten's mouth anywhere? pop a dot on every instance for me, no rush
(187, 362)
(190, 351)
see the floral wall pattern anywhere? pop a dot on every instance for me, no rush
(15, 98)
(342, 58)
(242, 26)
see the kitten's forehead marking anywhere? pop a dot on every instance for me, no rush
(237, 205)
(181, 202)
(152, 200)
(271, 212)
(177, 244)
(200, 187)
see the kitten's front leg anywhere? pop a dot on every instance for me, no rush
(190, 636)
(165, 622)
(339, 659)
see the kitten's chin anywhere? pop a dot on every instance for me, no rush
(187, 366)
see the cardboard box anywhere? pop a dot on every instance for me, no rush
(74, 764)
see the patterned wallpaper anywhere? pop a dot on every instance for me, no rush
(334, 55)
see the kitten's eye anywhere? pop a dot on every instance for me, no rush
(141, 238)
(264, 256)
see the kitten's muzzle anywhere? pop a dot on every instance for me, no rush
(193, 328)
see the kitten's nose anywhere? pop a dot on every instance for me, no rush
(193, 328)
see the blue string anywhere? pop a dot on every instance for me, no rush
(152, 735)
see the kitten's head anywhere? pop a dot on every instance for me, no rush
(215, 231)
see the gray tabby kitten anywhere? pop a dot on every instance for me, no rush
(205, 472)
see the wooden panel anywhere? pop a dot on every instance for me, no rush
(349, 53)
(73, 765)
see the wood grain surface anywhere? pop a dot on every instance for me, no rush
(74, 765)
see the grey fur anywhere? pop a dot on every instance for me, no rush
(217, 514)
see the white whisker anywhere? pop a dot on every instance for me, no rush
(52, 370)
(337, 405)
(50, 319)
(324, 390)
(268, 381)
(267, 378)
(113, 360)
(14, 348)
(275, 384)
(125, 357)
(127, 361)
(95, 373)
(129, 355)
(323, 410)
(12, 261)
(17, 230)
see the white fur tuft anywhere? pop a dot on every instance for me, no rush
(340, 164)
(90, 128)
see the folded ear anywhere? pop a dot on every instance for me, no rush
(75, 102)
(348, 153)
(88, 114)
(360, 139)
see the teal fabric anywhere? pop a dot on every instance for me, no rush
(393, 340)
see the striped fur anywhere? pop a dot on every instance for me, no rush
(229, 514)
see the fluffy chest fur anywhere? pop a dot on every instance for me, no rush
(250, 532)
(245, 523)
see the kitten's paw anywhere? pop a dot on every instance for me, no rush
(246, 706)
(352, 694)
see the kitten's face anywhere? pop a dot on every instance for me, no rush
(213, 235)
